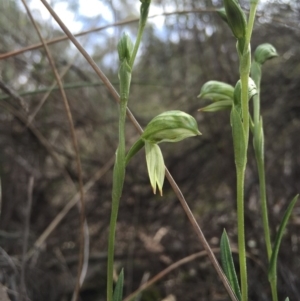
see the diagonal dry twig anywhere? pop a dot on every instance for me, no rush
(76, 149)
(23, 293)
(125, 22)
(166, 271)
(41, 139)
(176, 189)
(82, 33)
(9, 91)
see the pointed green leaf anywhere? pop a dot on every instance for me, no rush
(273, 262)
(155, 165)
(228, 265)
(239, 140)
(118, 292)
(217, 106)
(287, 299)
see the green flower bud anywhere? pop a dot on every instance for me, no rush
(222, 13)
(144, 11)
(217, 106)
(125, 47)
(264, 52)
(155, 166)
(238, 90)
(171, 126)
(216, 91)
(236, 18)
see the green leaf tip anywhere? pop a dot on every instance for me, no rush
(118, 292)
(170, 126)
(272, 274)
(216, 91)
(264, 52)
(228, 265)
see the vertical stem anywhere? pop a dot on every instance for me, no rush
(263, 200)
(245, 64)
(241, 233)
(118, 181)
(136, 45)
(259, 155)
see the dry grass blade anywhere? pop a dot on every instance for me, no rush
(82, 33)
(76, 149)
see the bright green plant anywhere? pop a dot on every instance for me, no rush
(236, 99)
(170, 126)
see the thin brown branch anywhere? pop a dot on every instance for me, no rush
(125, 22)
(138, 127)
(181, 262)
(82, 33)
(47, 94)
(23, 293)
(76, 149)
(9, 91)
(40, 138)
(167, 270)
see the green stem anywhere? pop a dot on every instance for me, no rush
(251, 20)
(118, 181)
(259, 155)
(241, 233)
(144, 10)
(263, 200)
(245, 64)
(245, 102)
(136, 45)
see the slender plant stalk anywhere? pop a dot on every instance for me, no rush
(259, 156)
(241, 233)
(245, 59)
(119, 168)
(118, 181)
